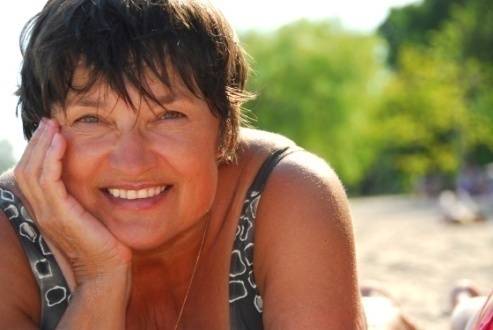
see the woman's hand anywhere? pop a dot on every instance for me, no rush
(92, 251)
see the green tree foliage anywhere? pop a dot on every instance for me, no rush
(467, 35)
(467, 39)
(316, 84)
(442, 53)
(423, 119)
(6, 156)
(414, 24)
(383, 130)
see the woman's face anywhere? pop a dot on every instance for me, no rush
(147, 175)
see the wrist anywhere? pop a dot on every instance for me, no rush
(118, 274)
(99, 303)
(94, 272)
(104, 284)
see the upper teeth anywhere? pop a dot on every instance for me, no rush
(136, 194)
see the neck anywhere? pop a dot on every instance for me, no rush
(167, 272)
(177, 256)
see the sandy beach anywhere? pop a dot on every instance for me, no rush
(403, 245)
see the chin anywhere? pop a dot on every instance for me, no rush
(139, 236)
(142, 242)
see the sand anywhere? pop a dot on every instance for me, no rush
(403, 245)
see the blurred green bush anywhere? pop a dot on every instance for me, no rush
(388, 111)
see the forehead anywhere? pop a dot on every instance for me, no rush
(88, 82)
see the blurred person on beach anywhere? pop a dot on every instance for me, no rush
(459, 208)
(140, 202)
(460, 204)
(470, 309)
(382, 311)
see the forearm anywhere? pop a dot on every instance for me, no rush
(99, 304)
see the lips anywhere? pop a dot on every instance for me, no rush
(132, 194)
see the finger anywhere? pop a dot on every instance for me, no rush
(62, 204)
(33, 167)
(26, 155)
(21, 169)
(38, 131)
(40, 148)
(51, 177)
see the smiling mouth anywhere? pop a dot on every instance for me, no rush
(137, 194)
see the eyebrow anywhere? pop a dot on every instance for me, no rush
(96, 102)
(166, 98)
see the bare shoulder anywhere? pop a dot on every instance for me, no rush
(304, 257)
(19, 302)
(301, 176)
(258, 143)
(307, 186)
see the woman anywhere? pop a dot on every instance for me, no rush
(146, 192)
(382, 310)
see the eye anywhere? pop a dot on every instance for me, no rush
(169, 114)
(87, 119)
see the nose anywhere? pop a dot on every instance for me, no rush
(131, 155)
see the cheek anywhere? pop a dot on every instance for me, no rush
(203, 169)
(200, 190)
(197, 175)
(83, 150)
(207, 181)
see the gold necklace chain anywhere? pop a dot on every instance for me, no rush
(187, 293)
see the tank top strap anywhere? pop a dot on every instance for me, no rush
(54, 291)
(267, 167)
(244, 299)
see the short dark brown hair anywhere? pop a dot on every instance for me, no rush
(119, 41)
